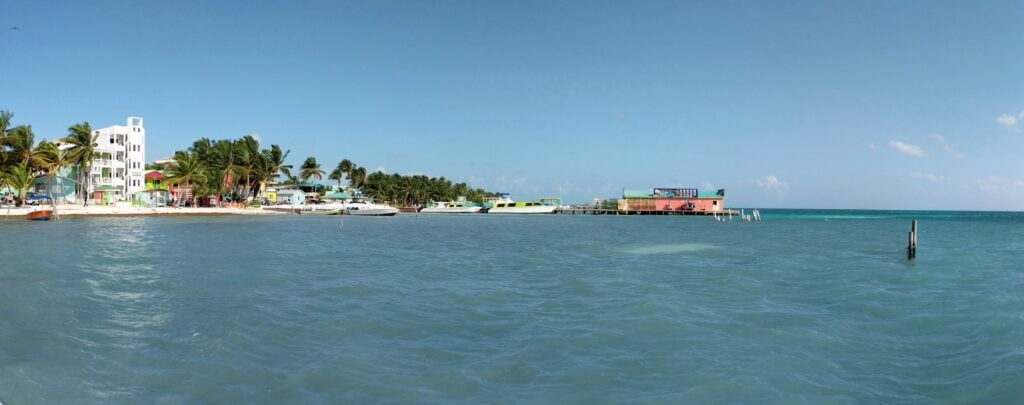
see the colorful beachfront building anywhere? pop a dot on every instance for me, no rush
(672, 199)
(62, 186)
(291, 196)
(156, 180)
(156, 193)
(119, 160)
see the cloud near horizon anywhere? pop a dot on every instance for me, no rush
(906, 148)
(999, 185)
(771, 183)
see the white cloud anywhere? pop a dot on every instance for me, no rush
(503, 181)
(999, 185)
(907, 149)
(945, 146)
(872, 146)
(707, 185)
(380, 169)
(1010, 121)
(927, 176)
(771, 184)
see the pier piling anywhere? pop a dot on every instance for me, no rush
(912, 241)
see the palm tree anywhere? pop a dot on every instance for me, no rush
(274, 160)
(310, 169)
(20, 177)
(358, 177)
(222, 160)
(249, 161)
(187, 169)
(83, 147)
(22, 141)
(336, 175)
(5, 122)
(346, 166)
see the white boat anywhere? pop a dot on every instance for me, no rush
(505, 205)
(322, 209)
(451, 207)
(364, 208)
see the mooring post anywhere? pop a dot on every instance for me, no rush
(912, 241)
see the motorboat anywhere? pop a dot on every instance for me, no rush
(369, 208)
(505, 205)
(40, 215)
(451, 207)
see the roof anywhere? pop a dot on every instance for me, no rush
(317, 185)
(155, 175)
(289, 191)
(712, 194)
(107, 188)
(641, 193)
(336, 196)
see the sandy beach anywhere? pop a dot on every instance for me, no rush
(113, 211)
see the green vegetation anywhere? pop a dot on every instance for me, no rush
(233, 169)
(22, 160)
(415, 190)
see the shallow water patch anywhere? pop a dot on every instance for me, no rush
(665, 249)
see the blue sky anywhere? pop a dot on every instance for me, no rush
(890, 105)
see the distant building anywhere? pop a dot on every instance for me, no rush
(672, 199)
(337, 197)
(291, 196)
(118, 168)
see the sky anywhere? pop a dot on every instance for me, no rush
(799, 104)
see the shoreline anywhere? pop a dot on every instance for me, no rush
(106, 211)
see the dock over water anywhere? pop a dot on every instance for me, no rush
(615, 211)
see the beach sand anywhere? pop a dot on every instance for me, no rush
(113, 211)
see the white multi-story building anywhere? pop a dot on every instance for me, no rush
(119, 162)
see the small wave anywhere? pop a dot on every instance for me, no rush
(825, 217)
(668, 248)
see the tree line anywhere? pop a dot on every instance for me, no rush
(407, 190)
(22, 160)
(228, 169)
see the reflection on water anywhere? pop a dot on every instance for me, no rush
(669, 248)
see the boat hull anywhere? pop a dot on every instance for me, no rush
(537, 209)
(41, 215)
(373, 212)
(321, 212)
(451, 210)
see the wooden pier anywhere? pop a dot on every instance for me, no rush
(614, 211)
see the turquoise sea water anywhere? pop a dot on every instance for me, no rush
(812, 306)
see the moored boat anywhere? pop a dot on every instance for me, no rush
(505, 205)
(451, 207)
(365, 208)
(40, 215)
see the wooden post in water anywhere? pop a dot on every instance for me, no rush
(912, 241)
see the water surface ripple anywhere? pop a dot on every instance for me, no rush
(815, 306)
